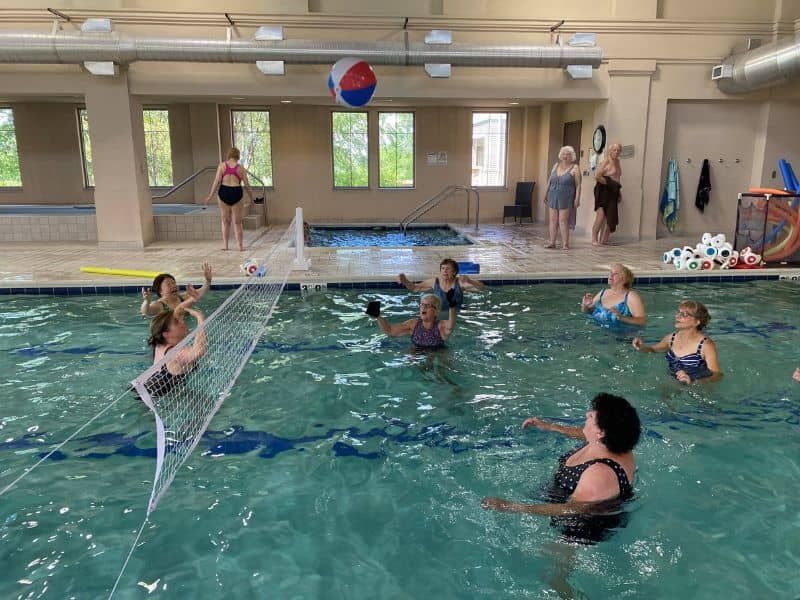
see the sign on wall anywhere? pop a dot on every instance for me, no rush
(437, 159)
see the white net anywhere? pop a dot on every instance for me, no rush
(185, 397)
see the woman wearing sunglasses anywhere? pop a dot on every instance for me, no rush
(691, 354)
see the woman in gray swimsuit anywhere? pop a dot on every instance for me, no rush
(563, 193)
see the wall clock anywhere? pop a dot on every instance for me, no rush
(599, 139)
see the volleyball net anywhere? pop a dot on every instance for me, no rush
(185, 396)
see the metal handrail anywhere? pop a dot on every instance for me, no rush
(438, 198)
(199, 172)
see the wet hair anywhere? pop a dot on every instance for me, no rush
(451, 262)
(699, 312)
(571, 151)
(433, 299)
(233, 153)
(627, 273)
(618, 421)
(159, 280)
(159, 327)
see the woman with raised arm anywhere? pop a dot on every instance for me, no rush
(593, 480)
(166, 288)
(691, 354)
(617, 304)
(427, 332)
(448, 279)
(228, 185)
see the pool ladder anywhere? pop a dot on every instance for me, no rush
(443, 194)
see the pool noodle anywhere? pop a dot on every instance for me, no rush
(120, 272)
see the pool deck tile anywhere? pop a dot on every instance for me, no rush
(506, 254)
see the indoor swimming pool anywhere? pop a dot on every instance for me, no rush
(346, 465)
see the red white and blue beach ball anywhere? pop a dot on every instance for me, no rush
(351, 82)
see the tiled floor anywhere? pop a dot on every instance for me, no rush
(503, 252)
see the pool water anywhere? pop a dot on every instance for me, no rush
(345, 466)
(386, 236)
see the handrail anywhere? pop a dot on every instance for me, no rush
(438, 198)
(199, 172)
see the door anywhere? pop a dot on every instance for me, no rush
(572, 137)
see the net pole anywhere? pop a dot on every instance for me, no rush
(301, 263)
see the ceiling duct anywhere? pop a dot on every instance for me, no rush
(762, 67)
(61, 47)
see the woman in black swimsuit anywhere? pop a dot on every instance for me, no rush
(228, 185)
(593, 480)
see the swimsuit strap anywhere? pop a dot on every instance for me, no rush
(672, 339)
(700, 346)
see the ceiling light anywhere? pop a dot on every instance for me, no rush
(514, 102)
(286, 101)
(238, 98)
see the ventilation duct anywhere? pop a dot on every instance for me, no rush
(72, 47)
(768, 65)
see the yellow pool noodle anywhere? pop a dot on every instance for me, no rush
(120, 272)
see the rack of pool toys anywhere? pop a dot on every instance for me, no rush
(713, 251)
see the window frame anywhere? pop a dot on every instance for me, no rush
(507, 113)
(268, 110)
(169, 135)
(13, 188)
(86, 184)
(336, 188)
(413, 114)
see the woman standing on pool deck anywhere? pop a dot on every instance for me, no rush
(691, 355)
(607, 196)
(228, 184)
(618, 303)
(448, 279)
(167, 289)
(563, 193)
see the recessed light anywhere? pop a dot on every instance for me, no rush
(513, 102)
(286, 101)
(238, 98)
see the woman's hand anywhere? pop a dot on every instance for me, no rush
(587, 301)
(637, 343)
(192, 293)
(402, 279)
(496, 504)
(146, 294)
(796, 375)
(683, 377)
(207, 200)
(207, 272)
(535, 422)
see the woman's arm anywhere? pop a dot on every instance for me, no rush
(576, 173)
(207, 284)
(243, 172)
(709, 353)
(661, 346)
(147, 309)
(404, 328)
(447, 327)
(214, 184)
(573, 432)
(469, 282)
(638, 314)
(420, 286)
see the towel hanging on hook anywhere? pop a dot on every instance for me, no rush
(703, 187)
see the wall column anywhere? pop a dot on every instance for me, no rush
(626, 122)
(122, 194)
(206, 150)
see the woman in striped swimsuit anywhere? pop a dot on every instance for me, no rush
(691, 354)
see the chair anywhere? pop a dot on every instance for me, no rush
(523, 203)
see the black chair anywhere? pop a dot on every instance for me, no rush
(523, 203)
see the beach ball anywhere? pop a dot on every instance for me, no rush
(250, 267)
(351, 82)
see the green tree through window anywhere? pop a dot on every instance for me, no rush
(9, 158)
(86, 147)
(350, 150)
(157, 147)
(396, 149)
(253, 137)
(489, 149)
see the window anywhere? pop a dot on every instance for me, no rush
(489, 149)
(253, 138)
(157, 147)
(86, 148)
(350, 156)
(9, 158)
(396, 150)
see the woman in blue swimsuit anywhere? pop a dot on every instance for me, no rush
(618, 304)
(593, 480)
(448, 279)
(427, 332)
(691, 354)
